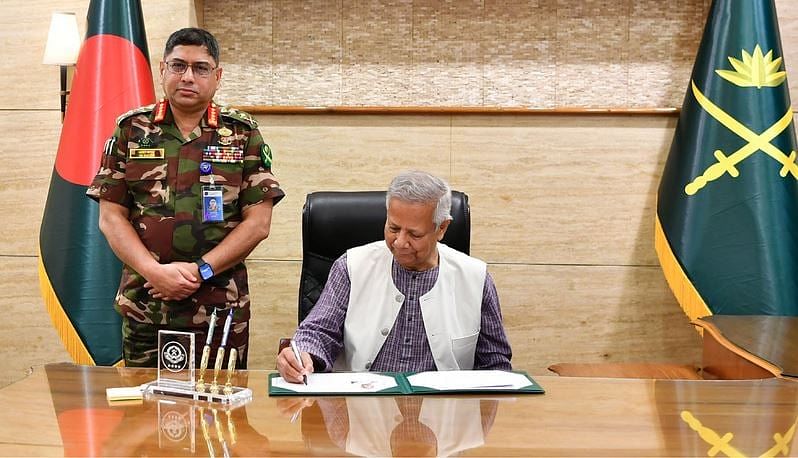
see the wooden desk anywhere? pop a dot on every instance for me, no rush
(749, 347)
(61, 410)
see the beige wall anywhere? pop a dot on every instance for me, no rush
(562, 205)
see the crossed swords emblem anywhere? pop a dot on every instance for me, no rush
(755, 142)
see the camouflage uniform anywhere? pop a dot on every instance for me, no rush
(165, 203)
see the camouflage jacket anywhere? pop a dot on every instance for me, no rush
(153, 171)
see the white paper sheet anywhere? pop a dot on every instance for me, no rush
(339, 382)
(465, 380)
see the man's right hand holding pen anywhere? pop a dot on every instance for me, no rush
(291, 369)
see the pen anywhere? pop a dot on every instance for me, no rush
(298, 357)
(220, 352)
(206, 351)
(295, 415)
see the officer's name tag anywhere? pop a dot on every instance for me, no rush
(228, 154)
(146, 153)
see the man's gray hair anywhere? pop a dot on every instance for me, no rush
(422, 187)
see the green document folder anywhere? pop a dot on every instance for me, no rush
(408, 383)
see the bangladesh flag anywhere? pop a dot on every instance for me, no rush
(78, 272)
(727, 209)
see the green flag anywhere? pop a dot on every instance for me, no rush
(78, 272)
(727, 208)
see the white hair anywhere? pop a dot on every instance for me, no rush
(422, 187)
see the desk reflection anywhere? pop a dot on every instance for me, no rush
(166, 427)
(401, 426)
(62, 410)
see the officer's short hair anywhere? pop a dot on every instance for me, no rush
(422, 187)
(193, 36)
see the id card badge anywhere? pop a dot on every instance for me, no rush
(212, 204)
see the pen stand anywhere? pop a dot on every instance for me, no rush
(176, 373)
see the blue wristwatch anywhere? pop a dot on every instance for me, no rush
(205, 270)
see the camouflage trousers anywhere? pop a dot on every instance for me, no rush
(140, 342)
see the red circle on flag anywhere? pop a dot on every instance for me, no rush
(112, 77)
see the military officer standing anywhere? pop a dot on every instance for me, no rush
(186, 193)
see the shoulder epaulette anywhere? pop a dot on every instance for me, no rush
(135, 111)
(238, 115)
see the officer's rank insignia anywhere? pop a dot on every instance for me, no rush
(145, 142)
(213, 115)
(160, 110)
(225, 135)
(757, 71)
(266, 156)
(146, 153)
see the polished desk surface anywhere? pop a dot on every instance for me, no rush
(772, 339)
(61, 410)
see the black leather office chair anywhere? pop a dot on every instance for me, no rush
(333, 222)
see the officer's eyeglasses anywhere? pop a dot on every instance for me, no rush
(202, 69)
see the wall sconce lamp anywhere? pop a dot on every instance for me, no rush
(63, 45)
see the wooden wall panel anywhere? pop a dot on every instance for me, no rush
(24, 192)
(556, 313)
(23, 34)
(273, 292)
(347, 153)
(27, 337)
(554, 190)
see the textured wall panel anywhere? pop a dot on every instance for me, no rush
(446, 52)
(492, 53)
(307, 52)
(245, 51)
(518, 48)
(378, 53)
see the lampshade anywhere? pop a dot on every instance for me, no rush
(63, 40)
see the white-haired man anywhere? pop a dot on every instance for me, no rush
(409, 303)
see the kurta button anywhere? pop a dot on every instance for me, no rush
(384, 331)
(399, 298)
(368, 366)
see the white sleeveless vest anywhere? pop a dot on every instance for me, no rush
(451, 310)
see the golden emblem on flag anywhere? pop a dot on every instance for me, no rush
(755, 70)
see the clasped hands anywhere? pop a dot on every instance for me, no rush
(174, 281)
